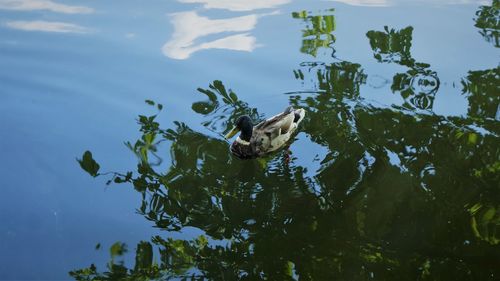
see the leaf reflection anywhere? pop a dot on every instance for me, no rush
(318, 31)
(488, 20)
(419, 84)
(482, 89)
(398, 193)
(223, 107)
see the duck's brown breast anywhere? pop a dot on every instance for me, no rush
(243, 151)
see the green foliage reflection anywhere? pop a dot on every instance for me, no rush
(397, 194)
(419, 84)
(277, 223)
(318, 31)
(223, 107)
(485, 221)
(482, 88)
(488, 20)
(392, 46)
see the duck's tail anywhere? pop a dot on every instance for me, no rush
(299, 115)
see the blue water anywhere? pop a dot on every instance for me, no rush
(74, 76)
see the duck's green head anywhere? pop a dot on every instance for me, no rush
(244, 125)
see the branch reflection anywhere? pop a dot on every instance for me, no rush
(398, 192)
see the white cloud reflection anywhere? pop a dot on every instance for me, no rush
(32, 5)
(238, 5)
(364, 2)
(189, 26)
(47, 26)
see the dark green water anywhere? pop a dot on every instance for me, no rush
(394, 174)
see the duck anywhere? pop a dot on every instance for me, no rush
(266, 137)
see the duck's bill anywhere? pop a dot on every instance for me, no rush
(233, 132)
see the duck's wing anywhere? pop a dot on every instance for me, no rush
(276, 125)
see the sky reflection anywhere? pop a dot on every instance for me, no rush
(238, 5)
(42, 25)
(33, 5)
(65, 93)
(189, 26)
(47, 26)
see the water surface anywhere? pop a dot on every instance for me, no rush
(393, 176)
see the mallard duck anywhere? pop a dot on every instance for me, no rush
(267, 136)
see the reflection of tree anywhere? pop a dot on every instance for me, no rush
(318, 31)
(392, 46)
(341, 79)
(488, 20)
(419, 84)
(482, 89)
(219, 112)
(485, 222)
(396, 195)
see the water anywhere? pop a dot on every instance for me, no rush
(394, 174)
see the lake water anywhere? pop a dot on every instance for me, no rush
(394, 174)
